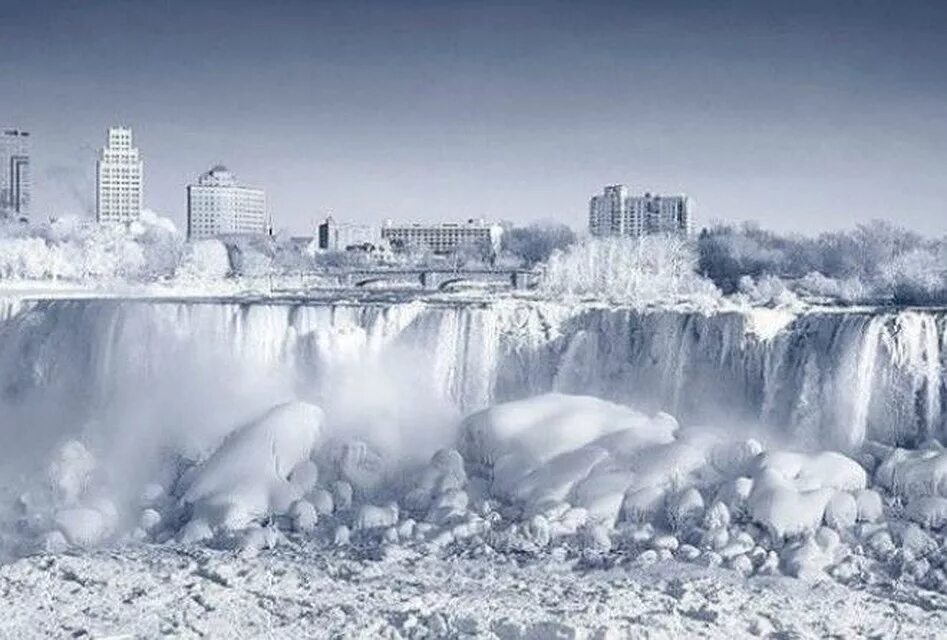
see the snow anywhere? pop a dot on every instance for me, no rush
(301, 590)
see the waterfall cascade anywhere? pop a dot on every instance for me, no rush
(824, 378)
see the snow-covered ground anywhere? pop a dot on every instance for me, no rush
(298, 590)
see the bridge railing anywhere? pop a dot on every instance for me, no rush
(301, 280)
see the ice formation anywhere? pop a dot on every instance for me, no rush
(797, 443)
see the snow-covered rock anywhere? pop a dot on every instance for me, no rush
(247, 477)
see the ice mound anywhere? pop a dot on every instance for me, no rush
(555, 473)
(611, 476)
(259, 469)
(556, 448)
(620, 465)
(791, 491)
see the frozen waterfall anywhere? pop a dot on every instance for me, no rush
(822, 378)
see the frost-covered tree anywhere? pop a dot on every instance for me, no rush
(875, 262)
(533, 244)
(650, 270)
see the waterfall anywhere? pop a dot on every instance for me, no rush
(823, 378)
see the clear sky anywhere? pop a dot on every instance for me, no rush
(802, 115)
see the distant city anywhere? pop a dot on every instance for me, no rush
(218, 206)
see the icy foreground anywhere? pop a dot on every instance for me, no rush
(304, 591)
(354, 447)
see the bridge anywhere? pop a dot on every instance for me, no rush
(438, 279)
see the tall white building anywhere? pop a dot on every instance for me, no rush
(615, 213)
(218, 205)
(444, 237)
(15, 182)
(118, 179)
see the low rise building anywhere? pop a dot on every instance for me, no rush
(334, 235)
(444, 237)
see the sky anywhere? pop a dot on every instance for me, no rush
(803, 116)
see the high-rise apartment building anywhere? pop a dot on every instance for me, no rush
(605, 211)
(118, 179)
(444, 237)
(217, 205)
(615, 213)
(15, 185)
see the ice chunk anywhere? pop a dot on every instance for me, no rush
(373, 517)
(808, 471)
(304, 476)
(869, 506)
(914, 473)
(779, 506)
(685, 508)
(82, 526)
(322, 501)
(545, 426)
(928, 511)
(841, 511)
(304, 515)
(70, 471)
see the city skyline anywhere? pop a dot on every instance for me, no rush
(804, 117)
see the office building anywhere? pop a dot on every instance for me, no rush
(217, 205)
(15, 186)
(444, 237)
(118, 179)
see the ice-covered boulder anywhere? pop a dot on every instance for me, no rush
(792, 490)
(782, 508)
(304, 476)
(576, 449)
(914, 473)
(684, 508)
(370, 516)
(322, 500)
(82, 526)
(359, 464)
(545, 426)
(841, 511)
(247, 477)
(149, 519)
(70, 471)
(928, 511)
(808, 471)
(342, 495)
(304, 515)
(806, 560)
(868, 505)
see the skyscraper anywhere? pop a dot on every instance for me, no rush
(118, 179)
(14, 174)
(218, 205)
(615, 213)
